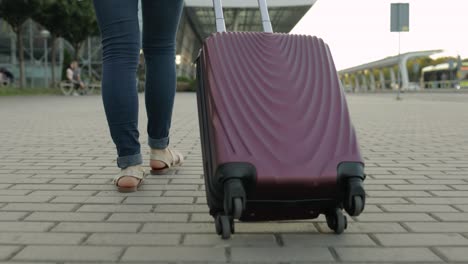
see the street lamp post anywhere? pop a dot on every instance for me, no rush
(45, 34)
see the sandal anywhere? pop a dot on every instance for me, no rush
(132, 171)
(167, 156)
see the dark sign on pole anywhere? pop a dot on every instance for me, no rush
(399, 17)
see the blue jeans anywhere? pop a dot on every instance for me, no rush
(118, 22)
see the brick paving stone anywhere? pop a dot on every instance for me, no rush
(133, 239)
(240, 240)
(195, 254)
(14, 192)
(96, 227)
(63, 193)
(281, 254)
(367, 227)
(159, 200)
(439, 227)
(391, 217)
(148, 217)
(72, 216)
(22, 238)
(417, 208)
(387, 255)
(293, 240)
(39, 207)
(422, 239)
(449, 217)
(114, 208)
(69, 253)
(7, 251)
(454, 253)
(296, 227)
(24, 199)
(12, 216)
(178, 228)
(439, 200)
(25, 226)
(174, 208)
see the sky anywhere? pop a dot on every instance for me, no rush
(358, 31)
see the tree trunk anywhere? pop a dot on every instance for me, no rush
(20, 44)
(54, 48)
(77, 47)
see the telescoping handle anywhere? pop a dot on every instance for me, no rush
(221, 25)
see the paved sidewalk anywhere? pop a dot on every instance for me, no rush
(57, 204)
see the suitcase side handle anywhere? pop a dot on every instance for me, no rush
(221, 24)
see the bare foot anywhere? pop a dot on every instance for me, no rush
(128, 182)
(156, 164)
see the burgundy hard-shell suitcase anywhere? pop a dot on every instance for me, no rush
(277, 140)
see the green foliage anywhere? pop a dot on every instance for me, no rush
(81, 23)
(12, 91)
(67, 59)
(51, 14)
(73, 20)
(16, 12)
(187, 81)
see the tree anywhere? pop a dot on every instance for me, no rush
(80, 23)
(15, 13)
(51, 14)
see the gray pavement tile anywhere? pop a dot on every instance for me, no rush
(281, 254)
(159, 200)
(35, 238)
(325, 240)
(12, 216)
(25, 226)
(66, 216)
(69, 253)
(24, 199)
(114, 208)
(7, 251)
(394, 217)
(148, 217)
(96, 227)
(445, 227)
(114, 239)
(435, 239)
(238, 240)
(38, 207)
(457, 254)
(417, 208)
(196, 254)
(393, 255)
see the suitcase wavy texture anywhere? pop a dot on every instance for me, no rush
(275, 101)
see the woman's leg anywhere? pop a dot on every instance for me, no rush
(160, 24)
(118, 22)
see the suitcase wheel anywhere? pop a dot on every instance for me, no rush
(224, 226)
(355, 198)
(234, 198)
(357, 206)
(337, 221)
(238, 207)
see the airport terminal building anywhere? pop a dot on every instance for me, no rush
(197, 23)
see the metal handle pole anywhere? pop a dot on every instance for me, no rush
(218, 9)
(267, 27)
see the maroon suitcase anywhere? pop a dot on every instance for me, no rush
(277, 140)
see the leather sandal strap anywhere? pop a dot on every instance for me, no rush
(169, 159)
(135, 172)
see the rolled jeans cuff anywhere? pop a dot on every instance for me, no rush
(131, 160)
(158, 143)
